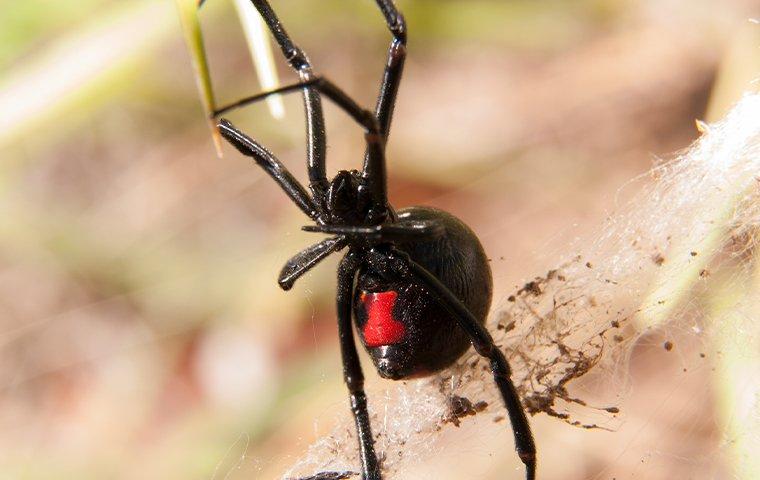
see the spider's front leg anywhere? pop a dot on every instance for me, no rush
(315, 123)
(394, 66)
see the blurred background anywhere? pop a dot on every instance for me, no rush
(142, 332)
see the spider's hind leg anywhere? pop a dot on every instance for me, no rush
(482, 342)
(352, 369)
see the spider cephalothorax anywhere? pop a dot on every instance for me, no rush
(349, 201)
(417, 284)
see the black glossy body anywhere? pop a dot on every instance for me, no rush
(433, 340)
(416, 284)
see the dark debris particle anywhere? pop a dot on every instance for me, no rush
(615, 324)
(511, 298)
(561, 278)
(658, 259)
(498, 418)
(693, 254)
(704, 273)
(702, 355)
(668, 345)
(532, 288)
(612, 409)
(460, 407)
(588, 265)
(618, 338)
(506, 327)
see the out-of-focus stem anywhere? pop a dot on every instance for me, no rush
(261, 52)
(738, 71)
(737, 341)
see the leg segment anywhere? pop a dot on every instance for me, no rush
(374, 171)
(481, 340)
(315, 121)
(307, 259)
(249, 147)
(400, 232)
(394, 66)
(374, 175)
(352, 370)
(363, 117)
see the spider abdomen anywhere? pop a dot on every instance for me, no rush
(404, 329)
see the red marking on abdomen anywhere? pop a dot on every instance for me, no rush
(381, 328)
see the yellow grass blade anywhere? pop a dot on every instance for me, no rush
(188, 14)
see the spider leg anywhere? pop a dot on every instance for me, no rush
(330, 476)
(249, 147)
(399, 232)
(374, 164)
(315, 122)
(352, 370)
(374, 171)
(481, 340)
(363, 117)
(307, 259)
(394, 66)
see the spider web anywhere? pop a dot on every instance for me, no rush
(692, 215)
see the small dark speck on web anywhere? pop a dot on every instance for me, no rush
(668, 345)
(533, 288)
(588, 265)
(618, 338)
(658, 259)
(463, 407)
(508, 327)
(693, 254)
(511, 298)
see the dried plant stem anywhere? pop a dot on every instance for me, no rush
(188, 15)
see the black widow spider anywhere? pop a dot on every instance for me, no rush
(417, 281)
